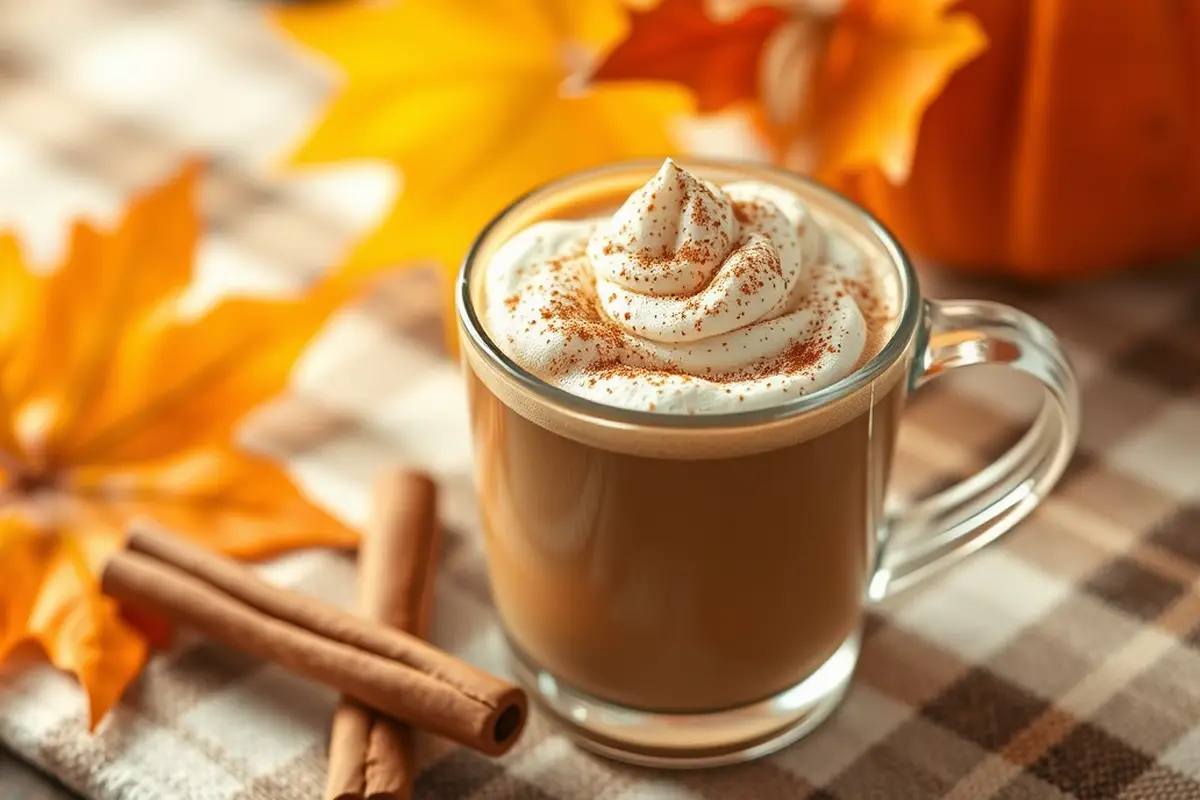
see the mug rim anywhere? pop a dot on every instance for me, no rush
(889, 354)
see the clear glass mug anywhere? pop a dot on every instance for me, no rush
(689, 590)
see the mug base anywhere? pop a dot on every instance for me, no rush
(690, 740)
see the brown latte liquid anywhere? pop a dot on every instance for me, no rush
(656, 572)
(682, 585)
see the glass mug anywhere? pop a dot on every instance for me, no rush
(689, 590)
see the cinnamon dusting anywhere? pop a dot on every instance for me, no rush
(596, 345)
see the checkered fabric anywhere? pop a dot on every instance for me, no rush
(1063, 662)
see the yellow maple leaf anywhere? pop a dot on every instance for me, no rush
(849, 80)
(476, 102)
(116, 402)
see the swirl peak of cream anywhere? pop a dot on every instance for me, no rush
(691, 298)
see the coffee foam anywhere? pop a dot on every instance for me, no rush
(691, 298)
(651, 441)
(852, 241)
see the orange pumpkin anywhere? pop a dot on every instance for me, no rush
(1072, 145)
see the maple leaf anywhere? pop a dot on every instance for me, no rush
(117, 401)
(476, 102)
(680, 40)
(883, 62)
(835, 85)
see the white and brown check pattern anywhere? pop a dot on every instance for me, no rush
(1063, 662)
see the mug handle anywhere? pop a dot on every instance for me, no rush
(928, 534)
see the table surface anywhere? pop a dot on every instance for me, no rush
(1063, 663)
(19, 781)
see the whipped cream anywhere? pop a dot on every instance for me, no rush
(692, 298)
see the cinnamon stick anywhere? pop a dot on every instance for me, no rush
(371, 756)
(386, 669)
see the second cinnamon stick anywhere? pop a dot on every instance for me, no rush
(371, 756)
(386, 669)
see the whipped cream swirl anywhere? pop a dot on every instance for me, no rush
(691, 298)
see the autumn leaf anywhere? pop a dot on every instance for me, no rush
(682, 41)
(882, 64)
(116, 402)
(840, 84)
(476, 102)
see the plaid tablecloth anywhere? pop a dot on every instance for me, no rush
(1064, 662)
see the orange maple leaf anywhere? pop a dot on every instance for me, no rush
(881, 63)
(117, 401)
(835, 85)
(679, 41)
